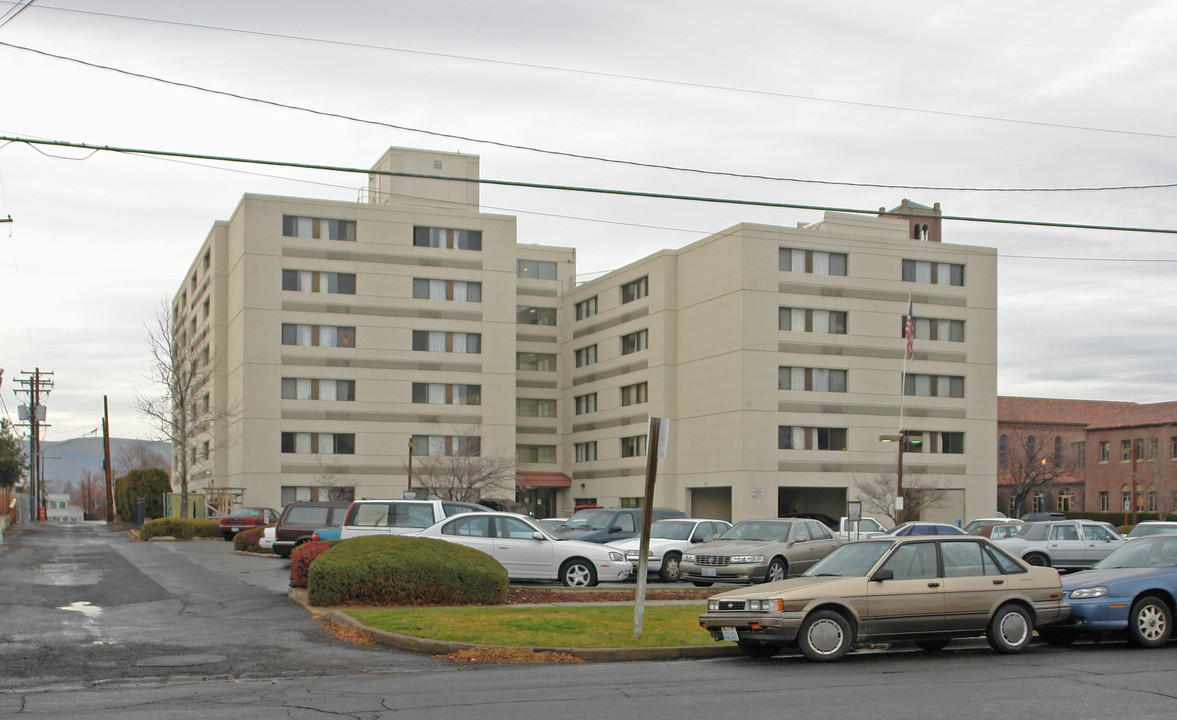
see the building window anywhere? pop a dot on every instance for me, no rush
(1065, 502)
(1152, 500)
(451, 342)
(447, 394)
(204, 403)
(586, 308)
(933, 385)
(934, 442)
(204, 450)
(1080, 450)
(318, 335)
(315, 389)
(817, 262)
(542, 362)
(815, 379)
(635, 342)
(535, 453)
(586, 356)
(1058, 451)
(1173, 448)
(526, 315)
(535, 407)
(584, 501)
(795, 437)
(814, 321)
(937, 273)
(1150, 448)
(634, 394)
(457, 290)
(1125, 451)
(319, 282)
(933, 329)
(635, 290)
(318, 228)
(586, 451)
(1104, 501)
(535, 269)
(446, 445)
(447, 238)
(1002, 452)
(1039, 500)
(1125, 499)
(319, 443)
(1104, 451)
(204, 310)
(586, 404)
(633, 446)
(206, 261)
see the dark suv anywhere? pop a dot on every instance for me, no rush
(602, 525)
(301, 518)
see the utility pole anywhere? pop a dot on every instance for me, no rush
(35, 386)
(106, 454)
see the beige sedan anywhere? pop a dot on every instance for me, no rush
(927, 589)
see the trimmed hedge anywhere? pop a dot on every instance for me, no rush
(401, 570)
(179, 528)
(248, 540)
(301, 559)
(148, 483)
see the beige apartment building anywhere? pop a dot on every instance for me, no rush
(342, 332)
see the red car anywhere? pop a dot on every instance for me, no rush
(245, 518)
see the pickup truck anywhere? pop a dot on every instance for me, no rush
(399, 517)
(868, 527)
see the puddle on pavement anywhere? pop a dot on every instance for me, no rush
(90, 611)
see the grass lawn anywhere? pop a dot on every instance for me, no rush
(582, 626)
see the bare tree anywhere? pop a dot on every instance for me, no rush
(465, 475)
(919, 494)
(1029, 463)
(181, 370)
(331, 485)
(138, 455)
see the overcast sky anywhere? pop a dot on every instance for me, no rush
(1050, 95)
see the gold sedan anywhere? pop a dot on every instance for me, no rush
(927, 589)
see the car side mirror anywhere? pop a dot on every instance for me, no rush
(537, 535)
(883, 574)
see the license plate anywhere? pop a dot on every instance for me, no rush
(234, 529)
(729, 633)
(708, 572)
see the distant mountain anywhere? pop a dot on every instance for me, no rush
(65, 460)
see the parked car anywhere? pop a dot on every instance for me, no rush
(301, 518)
(601, 525)
(975, 525)
(399, 517)
(929, 589)
(669, 539)
(1131, 591)
(753, 551)
(529, 552)
(246, 518)
(1152, 527)
(1067, 544)
(1043, 516)
(820, 517)
(867, 527)
(923, 528)
(999, 531)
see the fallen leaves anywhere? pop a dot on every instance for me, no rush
(511, 655)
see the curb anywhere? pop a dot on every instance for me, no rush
(444, 647)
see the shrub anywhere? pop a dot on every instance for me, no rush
(248, 540)
(400, 570)
(179, 528)
(301, 559)
(150, 483)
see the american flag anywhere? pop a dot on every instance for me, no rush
(909, 331)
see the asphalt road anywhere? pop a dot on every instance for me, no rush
(94, 626)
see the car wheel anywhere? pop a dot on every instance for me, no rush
(701, 583)
(760, 649)
(778, 569)
(932, 645)
(1010, 630)
(825, 636)
(578, 573)
(1150, 623)
(1038, 560)
(1058, 638)
(670, 571)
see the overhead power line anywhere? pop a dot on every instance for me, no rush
(567, 154)
(573, 188)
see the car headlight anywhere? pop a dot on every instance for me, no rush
(688, 557)
(1089, 592)
(712, 605)
(737, 559)
(616, 556)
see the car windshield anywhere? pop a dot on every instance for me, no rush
(246, 512)
(1155, 551)
(1143, 530)
(853, 560)
(758, 530)
(591, 520)
(671, 529)
(1033, 531)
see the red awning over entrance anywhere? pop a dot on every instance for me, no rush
(531, 479)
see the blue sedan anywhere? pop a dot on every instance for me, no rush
(1130, 591)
